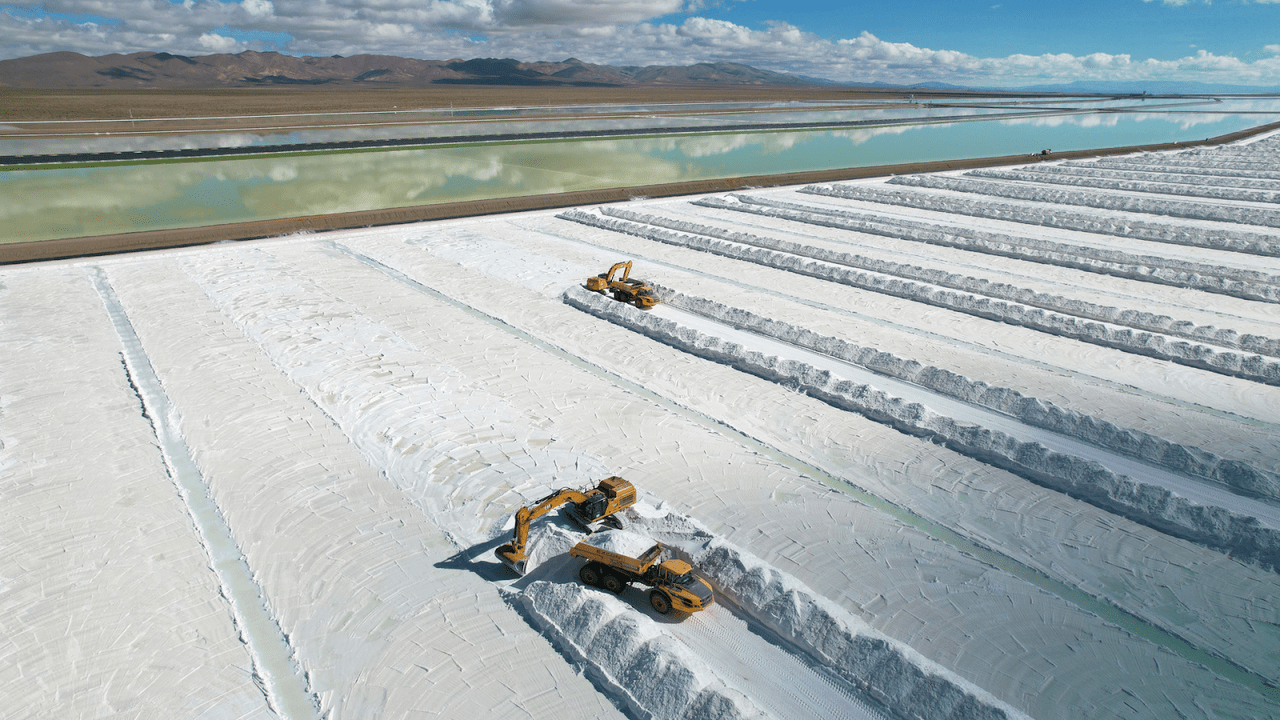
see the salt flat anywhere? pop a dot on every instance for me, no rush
(366, 409)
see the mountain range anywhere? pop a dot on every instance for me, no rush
(161, 70)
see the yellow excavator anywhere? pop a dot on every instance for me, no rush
(624, 289)
(612, 495)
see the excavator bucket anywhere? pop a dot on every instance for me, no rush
(509, 557)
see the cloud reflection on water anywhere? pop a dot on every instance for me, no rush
(47, 204)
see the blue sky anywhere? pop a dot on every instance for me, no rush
(993, 28)
(999, 44)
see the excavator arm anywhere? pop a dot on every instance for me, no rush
(625, 267)
(605, 280)
(526, 515)
(612, 494)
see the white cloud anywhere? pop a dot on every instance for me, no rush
(601, 31)
(215, 43)
(581, 12)
(258, 8)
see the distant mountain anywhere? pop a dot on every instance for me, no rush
(66, 70)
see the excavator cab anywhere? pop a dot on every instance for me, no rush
(593, 507)
(610, 496)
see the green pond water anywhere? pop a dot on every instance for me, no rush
(45, 204)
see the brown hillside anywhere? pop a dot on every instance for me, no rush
(165, 71)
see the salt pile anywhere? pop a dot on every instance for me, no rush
(621, 542)
(657, 676)
(1138, 319)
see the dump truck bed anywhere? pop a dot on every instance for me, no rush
(619, 549)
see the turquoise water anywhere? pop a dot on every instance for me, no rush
(62, 203)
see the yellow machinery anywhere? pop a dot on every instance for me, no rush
(612, 495)
(624, 289)
(615, 559)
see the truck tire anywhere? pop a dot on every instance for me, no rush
(589, 574)
(613, 583)
(660, 601)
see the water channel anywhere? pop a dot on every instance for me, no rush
(65, 202)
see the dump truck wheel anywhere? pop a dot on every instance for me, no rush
(613, 583)
(589, 574)
(660, 602)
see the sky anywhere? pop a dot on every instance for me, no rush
(991, 43)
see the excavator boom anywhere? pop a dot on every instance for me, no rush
(611, 495)
(526, 515)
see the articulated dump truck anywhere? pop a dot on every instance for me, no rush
(616, 558)
(624, 288)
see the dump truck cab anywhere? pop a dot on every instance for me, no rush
(684, 589)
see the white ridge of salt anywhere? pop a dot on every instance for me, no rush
(886, 669)
(655, 674)
(1247, 365)
(1034, 412)
(1142, 266)
(1159, 230)
(1152, 186)
(1100, 200)
(1142, 501)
